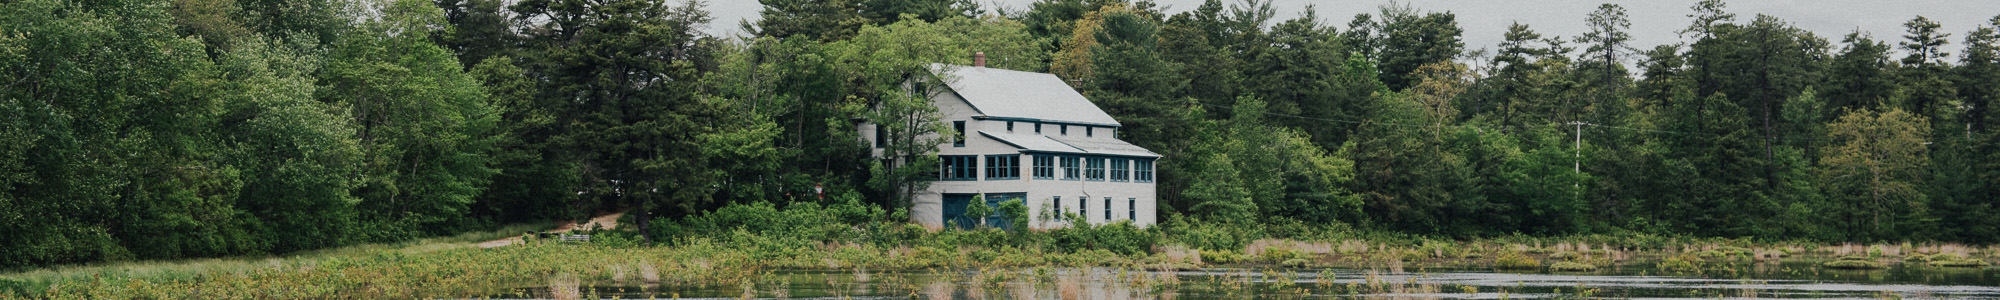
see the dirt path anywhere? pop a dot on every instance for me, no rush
(606, 221)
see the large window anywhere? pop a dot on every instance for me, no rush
(1045, 167)
(1003, 167)
(959, 167)
(1071, 168)
(1094, 170)
(1144, 170)
(1121, 169)
(958, 137)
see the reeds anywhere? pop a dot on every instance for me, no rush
(564, 287)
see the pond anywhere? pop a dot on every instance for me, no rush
(1637, 281)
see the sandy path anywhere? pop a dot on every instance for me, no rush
(607, 221)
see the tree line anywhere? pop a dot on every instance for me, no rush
(153, 129)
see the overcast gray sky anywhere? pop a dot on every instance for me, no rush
(1653, 22)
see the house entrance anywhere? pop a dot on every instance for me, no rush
(955, 207)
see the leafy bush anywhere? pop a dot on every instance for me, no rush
(1570, 266)
(1960, 263)
(1119, 237)
(1221, 256)
(1852, 265)
(1566, 255)
(1279, 256)
(1212, 236)
(1516, 262)
(1414, 255)
(1682, 264)
(1294, 263)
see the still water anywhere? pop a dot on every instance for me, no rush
(1768, 280)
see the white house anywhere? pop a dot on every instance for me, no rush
(1029, 136)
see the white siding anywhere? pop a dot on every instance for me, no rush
(928, 209)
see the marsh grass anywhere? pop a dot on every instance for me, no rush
(198, 269)
(564, 287)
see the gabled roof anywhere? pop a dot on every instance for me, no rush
(1027, 96)
(1055, 144)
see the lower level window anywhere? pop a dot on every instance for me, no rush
(1083, 207)
(1059, 207)
(1132, 209)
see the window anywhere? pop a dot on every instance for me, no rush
(1038, 127)
(1144, 170)
(959, 167)
(1071, 170)
(1045, 167)
(1083, 207)
(881, 136)
(1132, 208)
(1094, 170)
(1010, 126)
(1089, 131)
(1057, 200)
(1121, 169)
(1065, 129)
(1003, 167)
(959, 136)
(1107, 209)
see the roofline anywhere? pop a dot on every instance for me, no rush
(1023, 148)
(1155, 156)
(984, 117)
(1080, 151)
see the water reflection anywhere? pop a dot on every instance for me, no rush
(1770, 281)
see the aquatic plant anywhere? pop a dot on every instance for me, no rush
(1848, 263)
(1516, 262)
(1960, 263)
(1680, 264)
(1570, 266)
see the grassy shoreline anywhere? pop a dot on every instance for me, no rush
(451, 267)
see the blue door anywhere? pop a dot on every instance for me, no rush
(999, 219)
(954, 210)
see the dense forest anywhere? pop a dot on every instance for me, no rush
(153, 129)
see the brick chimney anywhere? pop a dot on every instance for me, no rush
(979, 59)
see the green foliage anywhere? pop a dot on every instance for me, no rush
(1212, 235)
(197, 128)
(424, 125)
(1016, 213)
(1960, 263)
(1221, 256)
(1570, 266)
(1852, 264)
(1515, 261)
